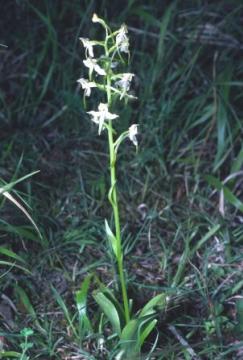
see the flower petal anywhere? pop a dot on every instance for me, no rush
(99, 70)
(132, 133)
(86, 85)
(88, 45)
(122, 41)
(101, 115)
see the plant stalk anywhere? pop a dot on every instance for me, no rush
(114, 202)
(117, 224)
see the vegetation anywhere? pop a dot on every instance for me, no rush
(180, 194)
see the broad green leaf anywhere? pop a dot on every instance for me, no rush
(147, 330)
(109, 310)
(130, 336)
(111, 237)
(119, 308)
(149, 308)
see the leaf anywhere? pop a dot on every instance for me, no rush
(232, 199)
(206, 115)
(205, 238)
(9, 354)
(8, 187)
(148, 329)
(7, 263)
(11, 254)
(64, 308)
(213, 181)
(17, 203)
(24, 299)
(110, 194)
(131, 340)
(129, 336)
(120, 139)
(222, 120)
(229, 196)
(109, 310)
(239, 316)
(149, 308)
(23, 231)
(164, 23)
(111, 237)
(238, 162)
(81, 302)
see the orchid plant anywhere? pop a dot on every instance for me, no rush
(104, 75)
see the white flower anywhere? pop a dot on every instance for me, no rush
(99, 117)
(88, 45)
(93, 66)
(124, 83)
(86, 85)
(132, 133)
(122, 41)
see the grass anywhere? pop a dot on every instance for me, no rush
(182, 218)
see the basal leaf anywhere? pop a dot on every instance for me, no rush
(109, 310)
(157, 301)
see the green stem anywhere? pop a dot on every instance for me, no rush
(117, 224)
(114, 204)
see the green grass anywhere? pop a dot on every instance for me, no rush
(188, 241)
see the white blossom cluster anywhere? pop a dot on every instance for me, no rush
(103, 66)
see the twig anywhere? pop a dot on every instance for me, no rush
(183, 342)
